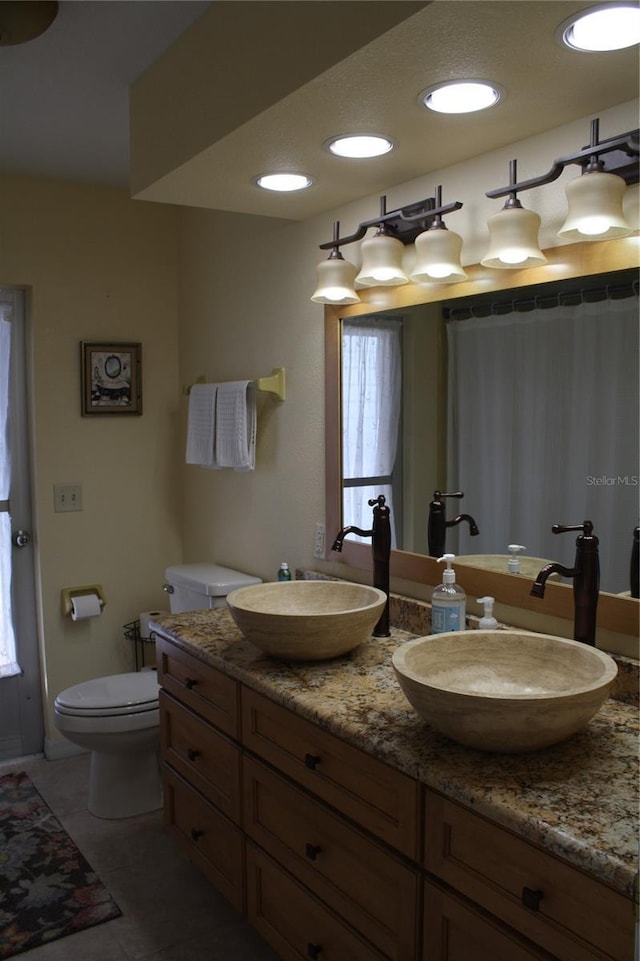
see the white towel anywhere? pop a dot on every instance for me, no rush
(201, 425)
(235, 434)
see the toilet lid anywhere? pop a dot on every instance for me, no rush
(117, 694)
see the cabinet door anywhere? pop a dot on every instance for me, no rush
(212, 842)
(367, 885)
(203, 688)
(203, 756)
(454, 931)
(294, 923)
(556, 906)
(382, 800)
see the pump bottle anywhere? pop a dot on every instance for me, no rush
(448, 602)
(488, 621)
(284, 574)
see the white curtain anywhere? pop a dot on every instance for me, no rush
(543, 419)
(371, 400)
(8, 658)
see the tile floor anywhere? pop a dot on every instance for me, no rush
(169, 911)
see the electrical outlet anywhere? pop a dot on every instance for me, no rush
(318, 546)
(67, 497)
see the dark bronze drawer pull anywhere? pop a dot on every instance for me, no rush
(313, 950)
(190, 682)
(193, 755)
(311, 761)
(312, 851)
(531, 899)
(196, 834)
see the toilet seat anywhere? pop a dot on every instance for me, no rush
(118, 695)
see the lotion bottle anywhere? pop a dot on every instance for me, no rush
(488, 621)
(448, 602)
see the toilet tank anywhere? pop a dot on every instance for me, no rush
(194, 587)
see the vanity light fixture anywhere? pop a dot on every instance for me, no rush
(513, 233)
(609, 26)
(595, 198)
(283, 182)
(438, 251)
(461, 96)
(360, 146)
(335, 276)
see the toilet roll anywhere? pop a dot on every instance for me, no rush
(145, 617)
(85, 605)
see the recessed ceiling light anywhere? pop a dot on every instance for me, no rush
(610, 26)
(359, 145)
(461, 96)
(283, 182)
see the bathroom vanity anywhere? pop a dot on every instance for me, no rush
(321, 805)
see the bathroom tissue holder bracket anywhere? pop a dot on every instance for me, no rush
(68, 593)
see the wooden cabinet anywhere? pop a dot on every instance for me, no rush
(569, 914)
(371, 888)
(334, 855)
(379, 798)
(455, 930)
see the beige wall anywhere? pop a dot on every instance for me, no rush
(97, 266)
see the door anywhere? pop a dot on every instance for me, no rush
(21, 723)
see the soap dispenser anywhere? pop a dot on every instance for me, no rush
(448, 601)
(513, 564)
(487, 622)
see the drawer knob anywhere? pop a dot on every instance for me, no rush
(314, 950)
(196, 834)
(190, 682)
(311, 761)
(193, 755)
(531, 899)
(312, 851)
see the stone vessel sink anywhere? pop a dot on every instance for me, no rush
(505, 691)
(306, 620)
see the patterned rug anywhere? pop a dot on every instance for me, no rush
(47, 887)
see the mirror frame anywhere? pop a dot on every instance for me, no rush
(619, 614)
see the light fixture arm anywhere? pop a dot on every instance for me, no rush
(416, 216)
(587, 157)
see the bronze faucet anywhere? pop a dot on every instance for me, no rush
(586, 581)
(380, 535)
(437, 526)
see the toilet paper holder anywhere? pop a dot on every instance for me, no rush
(68, 593)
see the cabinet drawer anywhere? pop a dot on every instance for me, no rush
(212, 842)
(203, 756)
(201, 687)
(293, 922)
(455, 931)
(381, 799)
(370, 888)
(558, 907)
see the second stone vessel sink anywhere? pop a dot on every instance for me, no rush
(306, 620)
(505, 691)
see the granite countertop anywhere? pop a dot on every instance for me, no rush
(578, 800)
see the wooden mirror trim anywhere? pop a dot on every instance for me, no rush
(619, 614)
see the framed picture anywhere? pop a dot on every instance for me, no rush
(111, 378)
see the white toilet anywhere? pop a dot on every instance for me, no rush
(117, 717)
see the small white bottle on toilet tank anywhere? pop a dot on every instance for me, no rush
(448, 602)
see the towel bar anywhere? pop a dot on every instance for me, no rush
(275, 383)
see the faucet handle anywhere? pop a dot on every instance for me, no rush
(438, 495)
(586, 527)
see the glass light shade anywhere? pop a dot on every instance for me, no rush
(382, 262)
(335, 282)
(513, 240)
(438, 257)
(595, 208)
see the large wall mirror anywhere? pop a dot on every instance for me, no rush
(519, 388)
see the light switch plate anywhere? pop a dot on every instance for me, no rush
(67, 497)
